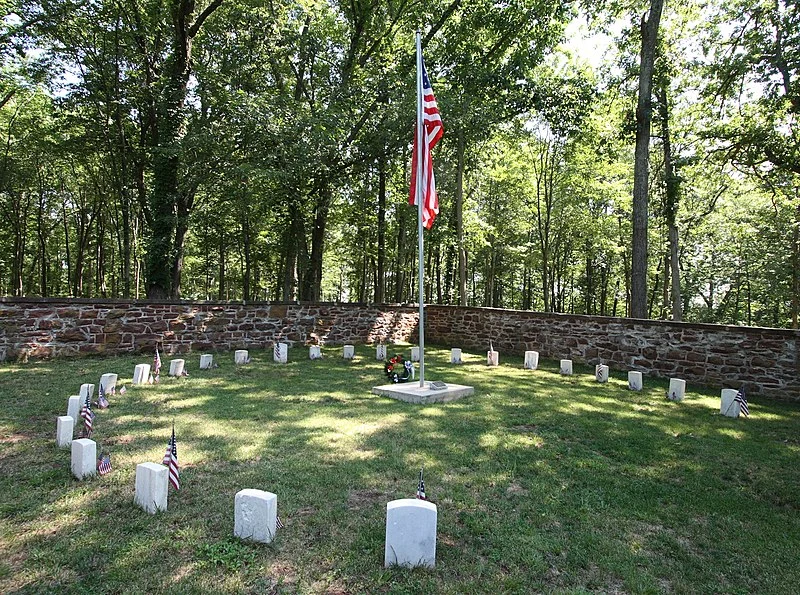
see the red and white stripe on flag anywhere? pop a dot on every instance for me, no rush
(432, 130)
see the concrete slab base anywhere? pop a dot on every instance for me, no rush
(410, 392)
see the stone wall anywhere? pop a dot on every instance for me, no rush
(765, 360)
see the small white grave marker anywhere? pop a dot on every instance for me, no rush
(87, 389)
(380, 352)
(141, 374)
(635, 380)
(455, 355)
(492, 358)
(176, 367)
(241, 356)
(531, 360)
(206, 361)
(410, 533)
(108, 382)
(415, 354)
(84, 458)
(348, 352)
(280, 353)
(729, 406)
(601, 373)
(314, 352)
(65, 427)
(254, 515)
(74, 407)
(151, 487)
(566, 367)
(677, 389)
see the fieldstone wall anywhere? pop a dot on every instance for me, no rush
(765, 360)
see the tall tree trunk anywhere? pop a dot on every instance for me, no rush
(459, 216)
(380, 273)
(649, 29)
(312, 285)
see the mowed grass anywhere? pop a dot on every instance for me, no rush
(543, 483)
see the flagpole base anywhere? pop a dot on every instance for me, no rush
(411, 392)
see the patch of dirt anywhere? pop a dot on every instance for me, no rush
(14, 438)
(515, 490)
(364, 498)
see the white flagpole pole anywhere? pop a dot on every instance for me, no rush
(420, 198)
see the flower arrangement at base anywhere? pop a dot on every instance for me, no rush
(399, 370)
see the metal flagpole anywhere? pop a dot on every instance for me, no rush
(420, 198)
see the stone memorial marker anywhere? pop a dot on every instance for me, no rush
(348, 352)
(635, 380)
(280, 353)
(415, 354)
(729, 406)
(151, 487)
(74, 407)
(206, 361)
(109, 383)
(455, 355)
(601, 373)
(241, 356)
(380, 352)
(176, 367)
(677, 389)
(531, 360)
(410, 533)
(314, 352)
(65, 427)
(566, 367)
(141, 374)
(86, 389)
(492, 358)
(255, 515)
(84, 458)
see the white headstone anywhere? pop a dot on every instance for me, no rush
(677, 389)
(87, 389)
(635, 380)
(601, 373)
(141, 374)
(254, 515)
(455, 355)
(492, 358)
(380, 352)
(728, 404)
(84, 458)
(531, 360)
(348, 352)
(410, 533)
(151, 487)
(280, 353)
(314, 352)
(176, 367)
(206, 361)
(241, 356)
(566, 367)
(415, 354)
(109, 382)
(74, 407)
(65, 427)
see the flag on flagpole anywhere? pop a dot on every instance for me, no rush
(171, 460)
(104, 464)
(742, 400)
(432, 130)
(156, 365)
(88, 416)
(421, 486)
(102, 402)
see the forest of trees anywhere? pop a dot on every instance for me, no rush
(259, 150)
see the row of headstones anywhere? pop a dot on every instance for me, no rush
(66, 424)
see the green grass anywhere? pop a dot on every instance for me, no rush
(543, 483)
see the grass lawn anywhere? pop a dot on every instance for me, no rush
(543, 483)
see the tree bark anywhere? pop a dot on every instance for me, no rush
(380, 281)
(459, 216)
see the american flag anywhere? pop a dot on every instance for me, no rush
(421, 486)
(156, 364)
(278, 523)
(104, 464)
(102, 402)
(88, 415)
(123, 390)
(432, 131)
(171, 460)
(740, 398)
